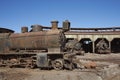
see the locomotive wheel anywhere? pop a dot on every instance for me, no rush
(57, 64)
(11, 63)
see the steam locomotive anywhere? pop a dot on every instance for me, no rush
(39, 48)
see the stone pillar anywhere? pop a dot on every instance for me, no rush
(110, 45)
(93, 45)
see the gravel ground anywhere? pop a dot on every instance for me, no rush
(85, 74)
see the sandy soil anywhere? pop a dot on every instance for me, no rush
(86, 74)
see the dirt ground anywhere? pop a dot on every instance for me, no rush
(13, 74)
(28, 74)
(77, 74)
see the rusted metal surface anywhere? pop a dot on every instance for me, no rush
(4, 42)
(4, 30)
(24, 29)
(54, 25)
(36, 28)
(66, 25)
(102, 47)
(35, 40)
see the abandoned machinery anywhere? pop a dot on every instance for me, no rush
(42, 48)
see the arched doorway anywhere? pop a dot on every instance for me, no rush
(86, 45)
(115, 45)
(102, 45)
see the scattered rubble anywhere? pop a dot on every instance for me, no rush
(104, 68)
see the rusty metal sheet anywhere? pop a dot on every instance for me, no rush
(35, 40)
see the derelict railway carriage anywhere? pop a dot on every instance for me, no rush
(38, 48)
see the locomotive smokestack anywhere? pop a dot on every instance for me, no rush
(24, 29)
(54, 25)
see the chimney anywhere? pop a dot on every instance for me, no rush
(54, 25)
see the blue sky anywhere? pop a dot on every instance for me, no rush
(81, 13)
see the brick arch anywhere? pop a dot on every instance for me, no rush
(115, 45)
(98, 40)
(86, 45)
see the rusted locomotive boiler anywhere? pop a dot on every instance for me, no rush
(41, 48)
(35, 40)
